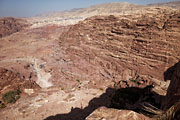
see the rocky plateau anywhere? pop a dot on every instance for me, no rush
(69, 65)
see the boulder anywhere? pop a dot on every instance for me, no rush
(104, 113)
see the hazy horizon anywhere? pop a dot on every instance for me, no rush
(29, 8)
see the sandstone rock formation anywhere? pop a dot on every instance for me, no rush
(113, 48)
(114, 114)
(121, 50)
(10, 80)
(9, 25)
(173, 92)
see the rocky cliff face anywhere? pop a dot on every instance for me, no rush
(11, 25)
(173, 92)
(130, 50)
(113, 48)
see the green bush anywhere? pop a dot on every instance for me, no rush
(2, 105)
(136, 81)
(11, 96)
(78, 80)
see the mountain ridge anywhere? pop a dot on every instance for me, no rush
(74, 16)
(80, 60)
(174, 4)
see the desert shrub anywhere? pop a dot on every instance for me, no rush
(11, 96)
(2, 105)
(78, 80)
(101, 89)
(136, 81)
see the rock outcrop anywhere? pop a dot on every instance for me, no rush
(10, 80)
(10, 25)
(120, 50)
(173, 92)
(111, 48)
(103, 113)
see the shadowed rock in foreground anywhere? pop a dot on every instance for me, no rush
(173, 92)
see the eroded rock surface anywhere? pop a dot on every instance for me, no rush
(101, 51)
(113, 48)
(11, 80)
(10, 25)
(114, 114)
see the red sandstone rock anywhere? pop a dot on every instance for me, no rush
(10, 80)
(113, 48)
(114, 114)
(99, 51)
(10, 25)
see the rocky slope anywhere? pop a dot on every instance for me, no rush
(10, 25)
(12, 83)
(10, 80)
(74, 16)
(106, 8)
(112, 48)
(74, 65)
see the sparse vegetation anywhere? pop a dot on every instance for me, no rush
(135, 81)
(101, 89)
(62, 88)
(2, 105)
(78, 80)
(11, 96)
